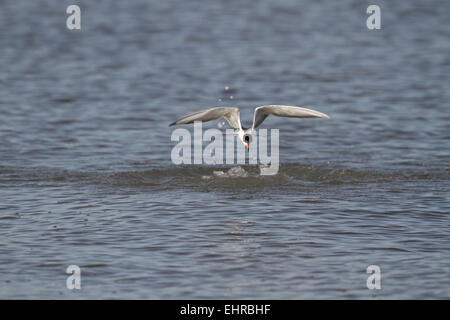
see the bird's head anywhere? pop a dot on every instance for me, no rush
(246, 140)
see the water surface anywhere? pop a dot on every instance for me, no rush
(86, 176)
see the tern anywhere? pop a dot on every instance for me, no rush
(232, 115)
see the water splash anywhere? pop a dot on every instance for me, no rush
(232, 173)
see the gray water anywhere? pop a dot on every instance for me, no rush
(86, 176)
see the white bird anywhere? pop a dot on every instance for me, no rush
(232, 115)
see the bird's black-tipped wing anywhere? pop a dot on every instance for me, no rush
(261, 113)
(231, 114)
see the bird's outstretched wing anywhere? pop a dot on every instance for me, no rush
(261, 113)
(231, 114)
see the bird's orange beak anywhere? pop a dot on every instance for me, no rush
(248, 146)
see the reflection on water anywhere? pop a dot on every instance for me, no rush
(86, 176)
